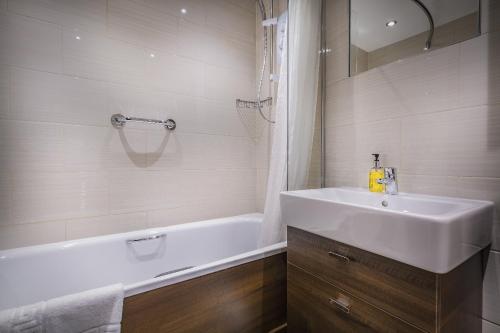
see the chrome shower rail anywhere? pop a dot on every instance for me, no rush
(428, 42)
(118, 121)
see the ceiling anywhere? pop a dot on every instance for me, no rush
(368, 19)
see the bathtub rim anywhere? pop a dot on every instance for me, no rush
(40, 248)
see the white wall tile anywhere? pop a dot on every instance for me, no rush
(66, 67)
(236, 206)
(31, 146)
(370, 96)
(86, 148)
(142, 25)
(39, 196)
(168, 72)
(479, 70)
(104, 225)
(89, 148)
(220, 151)
(425, 83)
(192, 40)
(87, 14)
(491, 289)
(31, 234)
(46, 97)
(248, 5)
(460, 142)
(202, 115)
(354, 145)
(410, 86)
(182, 214)
(380, 137)
(30, 43)
(228, 84)
(137, 190)
(195, 9)
(167, 150)
(195, 151)
(341, 167)
(226, 51)
(339, 103)
(440, 61)
(231, 18)
(200, 184)
(94, 56)
(127, 148)
(202, 210)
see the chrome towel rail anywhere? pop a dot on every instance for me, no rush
(118, 121)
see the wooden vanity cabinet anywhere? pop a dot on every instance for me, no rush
(334, 287)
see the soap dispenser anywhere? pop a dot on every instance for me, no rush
(376, 173)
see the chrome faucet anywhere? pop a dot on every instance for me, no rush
(390, 181)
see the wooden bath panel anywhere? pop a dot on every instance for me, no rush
(246, 298)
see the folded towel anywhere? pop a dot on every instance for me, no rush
(93, 311)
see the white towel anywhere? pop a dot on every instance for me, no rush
(93, 311)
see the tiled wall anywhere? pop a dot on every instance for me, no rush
(436, 117)
(66, 66)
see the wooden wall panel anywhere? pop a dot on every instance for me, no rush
(246, 298)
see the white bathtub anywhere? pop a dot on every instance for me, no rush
(36, 273)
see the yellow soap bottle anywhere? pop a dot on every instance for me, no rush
(376, 173)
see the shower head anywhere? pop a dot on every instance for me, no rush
(259, 103)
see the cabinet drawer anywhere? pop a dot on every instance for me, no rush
(402, 290)
(315, 306)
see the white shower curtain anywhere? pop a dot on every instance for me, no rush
(298, 86)
(304, 58)
(272, 229)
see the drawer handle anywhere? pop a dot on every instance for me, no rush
(341, 304)
(339, 256)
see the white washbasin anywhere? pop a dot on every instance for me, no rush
(433, 233)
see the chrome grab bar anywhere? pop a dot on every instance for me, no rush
(341, 304)
(132, 241)
(118, 121)
(339, 256)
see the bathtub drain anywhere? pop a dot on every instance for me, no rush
(173, 271)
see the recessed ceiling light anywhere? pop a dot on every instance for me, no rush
(391, 23)
(184, 11)
(78, 38)
(152, 55)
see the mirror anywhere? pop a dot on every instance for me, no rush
(383, 31)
